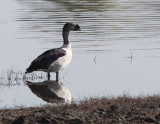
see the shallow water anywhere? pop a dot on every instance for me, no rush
(117, 51)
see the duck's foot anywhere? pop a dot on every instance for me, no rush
(49, 76)
(57, 76)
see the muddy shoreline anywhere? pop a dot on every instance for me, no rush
(122, 109)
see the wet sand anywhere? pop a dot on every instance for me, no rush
(122, 109)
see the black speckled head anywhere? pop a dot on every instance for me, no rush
(71, 27)
(67, 28)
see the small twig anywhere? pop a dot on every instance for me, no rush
(95, 59)
(131, 53)
(131, 56)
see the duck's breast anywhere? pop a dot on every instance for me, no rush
(61, 62)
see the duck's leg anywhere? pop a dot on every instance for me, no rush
(49, 75)
(57, 76)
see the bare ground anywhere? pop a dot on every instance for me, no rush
(122, 109)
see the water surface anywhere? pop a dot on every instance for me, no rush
(117, 51)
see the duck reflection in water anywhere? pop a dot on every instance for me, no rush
(51, 91)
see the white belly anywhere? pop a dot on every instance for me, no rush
(61, 62)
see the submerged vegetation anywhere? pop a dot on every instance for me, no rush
(12, 77)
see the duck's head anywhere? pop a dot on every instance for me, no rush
(71, 27)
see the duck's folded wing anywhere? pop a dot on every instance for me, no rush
(45, 59)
